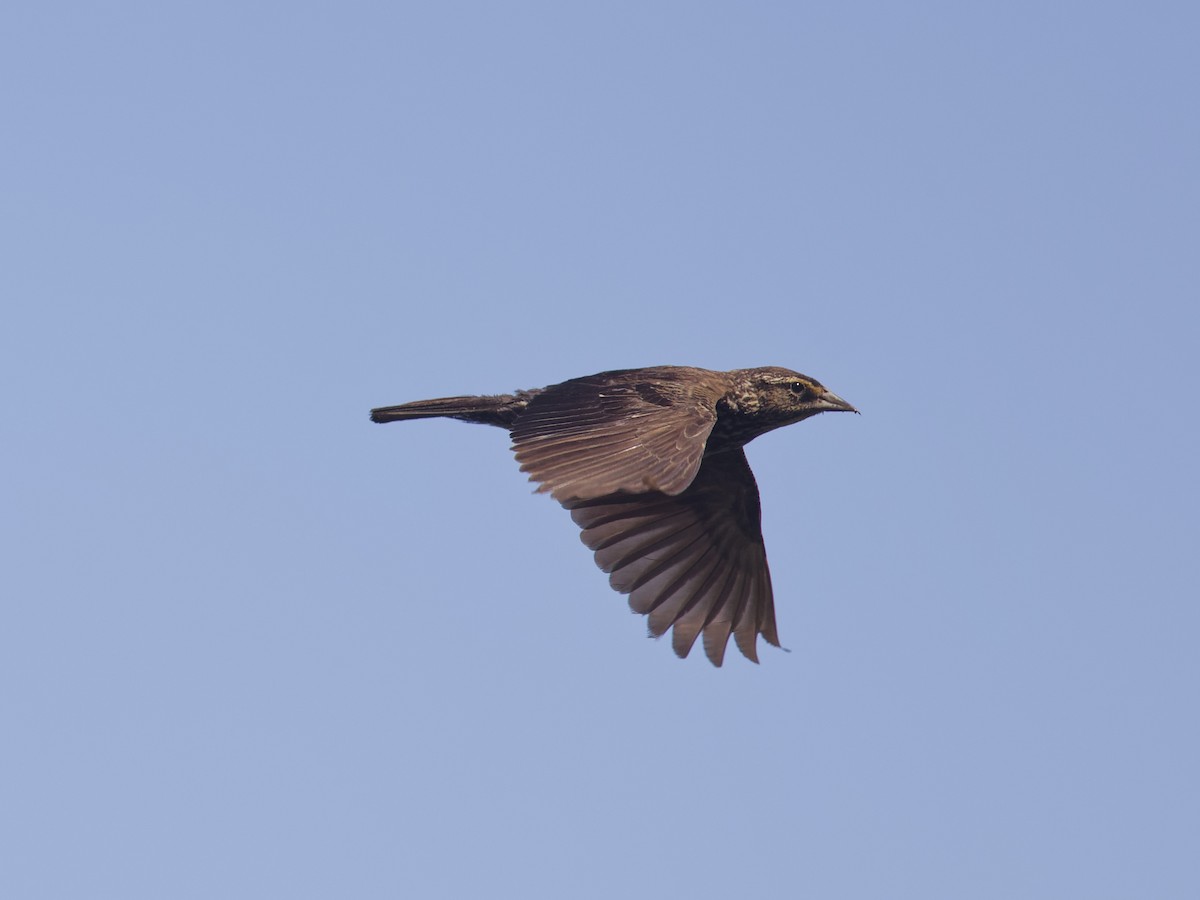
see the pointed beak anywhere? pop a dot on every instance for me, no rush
(831, 402)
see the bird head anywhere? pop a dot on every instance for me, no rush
(780, 396)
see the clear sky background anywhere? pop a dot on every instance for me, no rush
(254, 646)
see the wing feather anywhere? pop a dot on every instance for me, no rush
(693, 562)
(629, 431)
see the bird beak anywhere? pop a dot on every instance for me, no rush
(831, 402)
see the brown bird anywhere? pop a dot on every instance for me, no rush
(650, 464)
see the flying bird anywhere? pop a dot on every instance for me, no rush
(650, 464)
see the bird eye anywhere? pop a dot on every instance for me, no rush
(798, 387)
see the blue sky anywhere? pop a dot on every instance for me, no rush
(253, 645)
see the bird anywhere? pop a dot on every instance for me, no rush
(650, 464)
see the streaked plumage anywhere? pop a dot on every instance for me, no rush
(650, 464)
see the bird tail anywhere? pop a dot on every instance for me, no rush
(496, 410)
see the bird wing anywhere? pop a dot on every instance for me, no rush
(616, 431)
(694, 561)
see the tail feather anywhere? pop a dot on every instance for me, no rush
(497, 410)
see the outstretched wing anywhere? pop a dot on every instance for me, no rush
(633, 430)
(694, 561)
